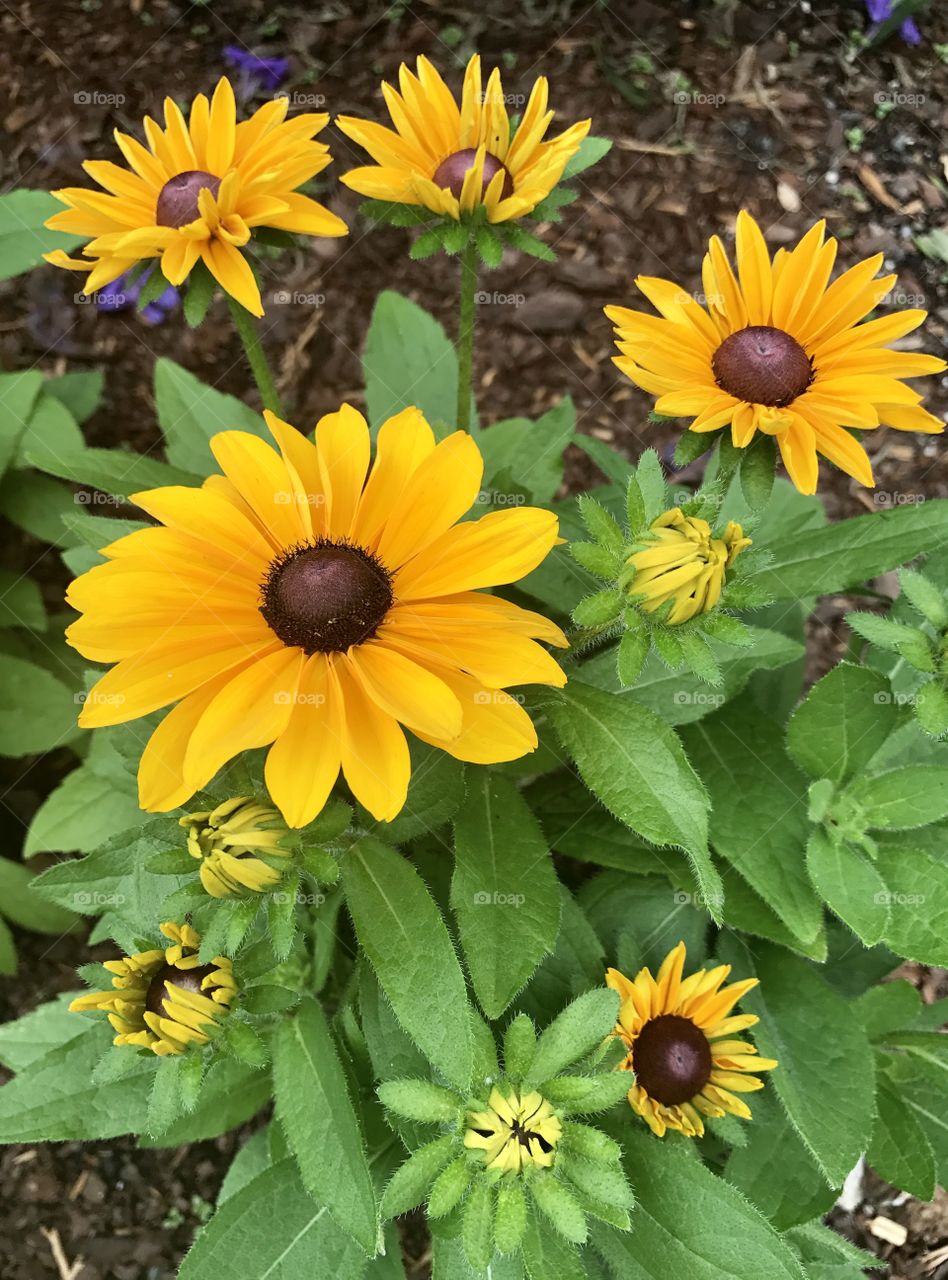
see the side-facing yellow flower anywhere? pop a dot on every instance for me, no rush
(165, 1000)
(308, 600)
(450, 158)
(225, 840)
(198, 190)
(779, 349)
(678, 1032)
(514, 1131)
(684, 564)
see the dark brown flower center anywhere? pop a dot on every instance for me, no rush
(187, 979)
(178, 198)
(671, 1058)
(327, 597)
(762, 365)
(451, 173)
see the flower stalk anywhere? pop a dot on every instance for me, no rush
(466, 334)
(248, 332)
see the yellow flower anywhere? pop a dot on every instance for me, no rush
(685, 564)
(678, 1032)
(514, 1131)
(779, 349)
(307, 600)
(450, 158)
(197, 191)
(165, 1000)
(225, 839)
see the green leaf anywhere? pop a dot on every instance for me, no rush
(789, 1191)
(850, 886)
(547, 1255)
(504, 892)
(80, 390)
(688, 1222)
(37, 504)
(401, 930)
(902, 798)
(829, 1256)
(37, 711)
(115, 471)
(190, 413)
(43, 1029)
(582, 1025)
(758, 463)
(20, 903)
(635, 764)
(18, 394)
(408, 361)
(918, 903)
(21, 603)
(911, 643)
(84, 811)
(847, 554)
(845, 719)
(231, 1093)
(199, 294)
(316, 1112)
(826, 1077)
(23, 234)
(530, 451)
(435, 792)
(591, 151)
(272, 1229)
(931, 708)
(899, 1150)
(928, 598)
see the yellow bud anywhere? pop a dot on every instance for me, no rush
(684, 564)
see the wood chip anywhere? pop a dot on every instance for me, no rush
(876, 188)
(891, 1232)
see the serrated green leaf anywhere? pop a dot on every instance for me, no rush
(913, 796)
(911, 643)
(846, 718)
(931, 708)
(928, 598)
(850, 886)
(899, 1149)
(320, 1123)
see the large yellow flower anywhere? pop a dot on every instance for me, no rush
(306, 600)
(165, 1000)
(779, 349)
(450, 158)
(678, 1032)
(197, 191)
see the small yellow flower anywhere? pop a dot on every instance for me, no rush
(514, 1131)
(165, 1000)
(225, 839)
(684, 564)
(450, 158)
(779, 349)
(678, 1033)
(198, 190)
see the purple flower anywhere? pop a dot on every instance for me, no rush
(121, 295)
(256, 73)
(881, 11)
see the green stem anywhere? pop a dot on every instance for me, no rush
(246, 327)
(466, 334)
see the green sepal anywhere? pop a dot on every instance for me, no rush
(510, 1216)
(395, 215)
(164, 1102)
(690, 447)
(281, 916)
(477, 1231)
(897, 637)
(588, 1142)
(200, 292)
(602, 1183)
(669, 647)
(698, 656)
(931, 708)
(449, 1186)
(528, 243)
(426, 246)
(190, 1077)
(520, 1043)
(603, 527)
(490, 246)
(727, 629)
(420, 1100)
(925, 596)
(560, 1206)
(632, 652)
(596, 559)
(599, 609)
(244, 1044)
(411, 1181)
(319, 863)
(586, 1095)
(153, 288)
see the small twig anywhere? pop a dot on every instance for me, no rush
(67, 1270)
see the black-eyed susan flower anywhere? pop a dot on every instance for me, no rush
(781, 350)
(451, 158)
(197, 191)
(225, 840)
(514, 1130)
(684, 566)
(307, 600)
(165, 1000)
(679, 1032)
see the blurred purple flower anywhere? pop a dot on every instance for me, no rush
(120, 295)
(881, 11)
(256, 73)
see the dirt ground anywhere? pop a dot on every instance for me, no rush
(772, 106)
